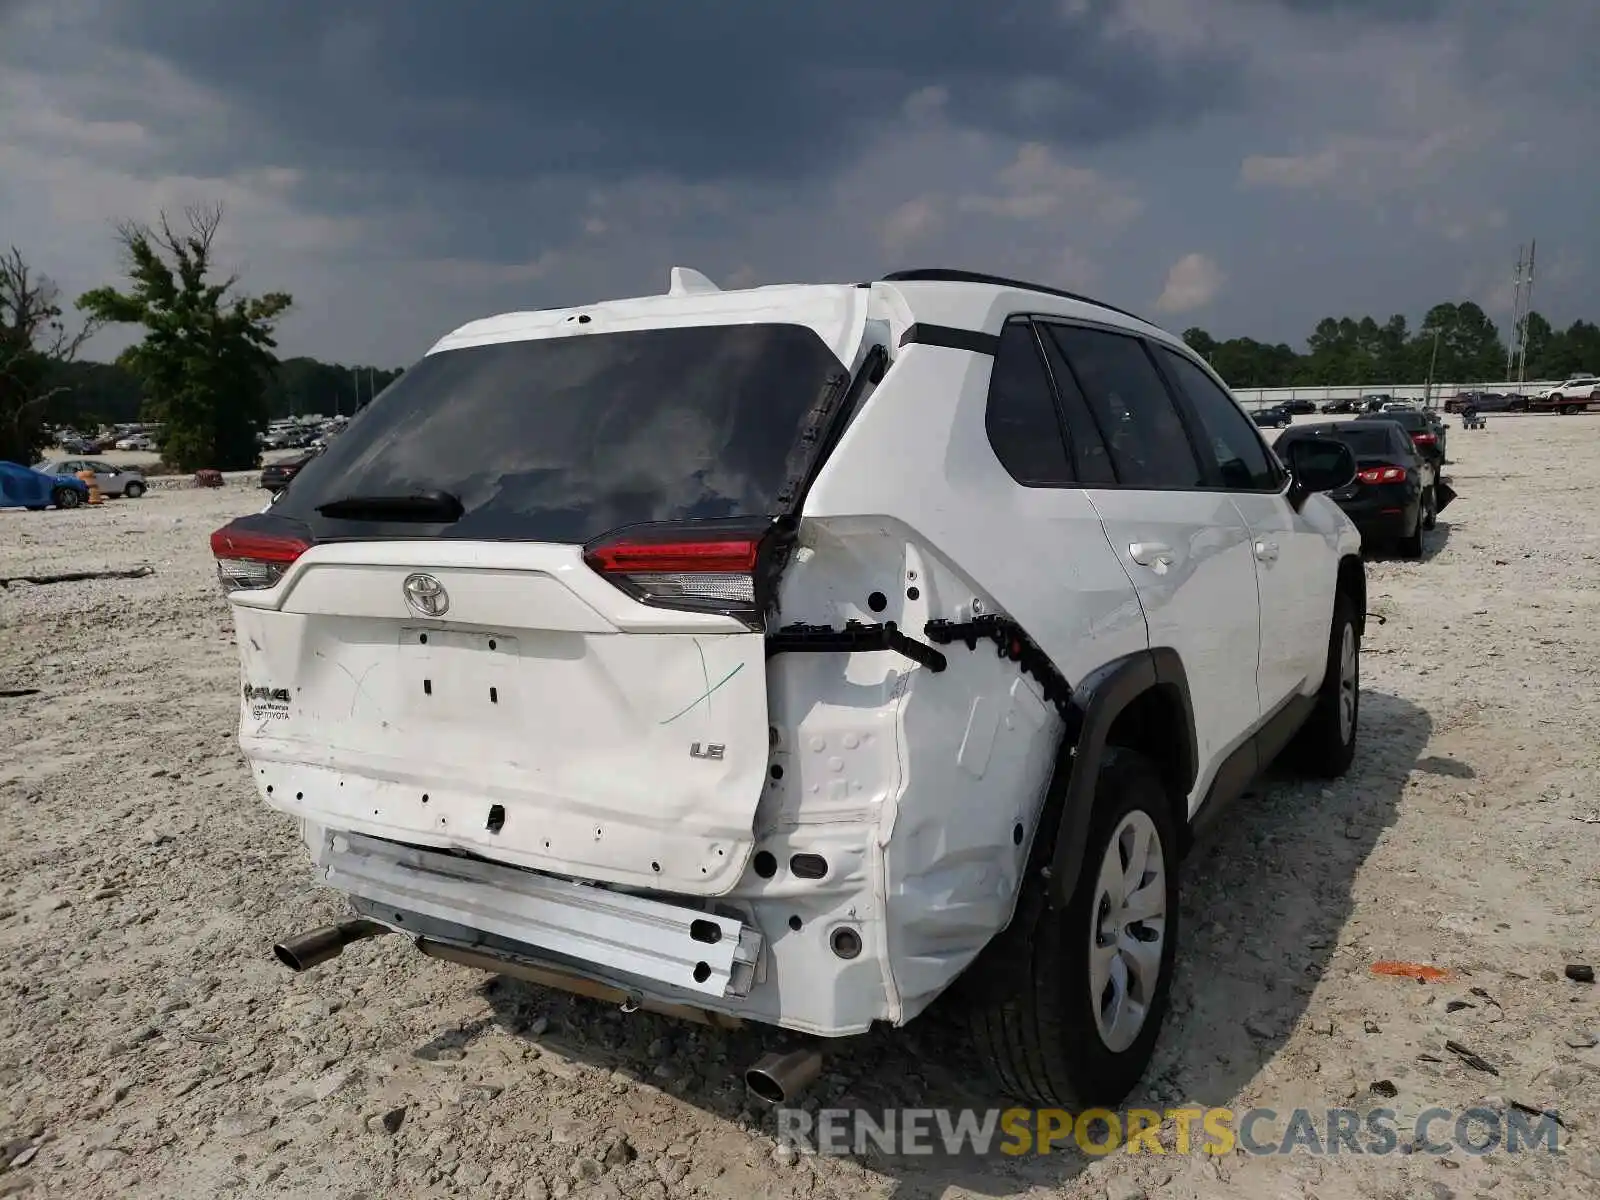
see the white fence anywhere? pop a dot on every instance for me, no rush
(1254, 398)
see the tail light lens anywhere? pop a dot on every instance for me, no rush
(247, 560)
(1382, 475)
(686, 568)
(1424, 439)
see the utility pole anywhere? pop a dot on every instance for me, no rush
(1427, 391)
(1521, 307)
(1515, 339)
(1527, 310)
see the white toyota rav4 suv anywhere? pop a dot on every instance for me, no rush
(799, 653)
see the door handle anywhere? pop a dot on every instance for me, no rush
(1151, 554)
(1267, 551)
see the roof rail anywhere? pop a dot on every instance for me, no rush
(952, 275)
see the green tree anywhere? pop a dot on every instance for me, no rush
(1201, 342)
(1576, 348)
(34, 346)
(1543, 343)
(206, 353)
(1470, 349)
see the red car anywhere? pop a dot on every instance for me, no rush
(276, 476)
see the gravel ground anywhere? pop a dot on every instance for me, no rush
(150, 1046)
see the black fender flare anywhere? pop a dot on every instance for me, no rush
(1097, 701)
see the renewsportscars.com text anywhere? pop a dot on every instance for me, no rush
(1177, 1131)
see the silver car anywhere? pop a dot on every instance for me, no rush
(112, 481)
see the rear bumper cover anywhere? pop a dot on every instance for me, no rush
(1382, 511)
(616, 935)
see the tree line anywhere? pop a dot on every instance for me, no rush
(1456, 343)
(205, 367)
(95, 393)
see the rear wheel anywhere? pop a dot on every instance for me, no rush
(1410, 546)
(1430, 509)
(1326, 743)
(133, 491)
(1079, 1024)
(65, 498)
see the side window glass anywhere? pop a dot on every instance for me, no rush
(1229, 434)
(1143, 432)
(1021, 415)
(1090, 458)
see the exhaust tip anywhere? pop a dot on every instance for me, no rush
(307, 950)
(781, 1078)
(763, 1086)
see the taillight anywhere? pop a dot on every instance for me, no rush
(247, 560)
(1382, 475)
(1424, 439)
(711, 571)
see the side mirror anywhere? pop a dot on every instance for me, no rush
(1318, 465)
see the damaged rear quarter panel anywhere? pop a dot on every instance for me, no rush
(934, 781)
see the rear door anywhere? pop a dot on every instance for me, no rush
(1295, 570)
(566, 670)
(1183, 544)
(106, 477)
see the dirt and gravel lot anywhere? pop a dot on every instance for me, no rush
(151, 1047)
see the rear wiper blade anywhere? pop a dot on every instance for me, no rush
(423, 506)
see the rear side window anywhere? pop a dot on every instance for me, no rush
(1021, 414)
(1143, 431)
(562, 439)
(1231, 436)
(1090, 458)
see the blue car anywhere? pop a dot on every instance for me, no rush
(23, 487)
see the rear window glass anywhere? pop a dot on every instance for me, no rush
(1406, 420)
(1363, 443)
(562, 439)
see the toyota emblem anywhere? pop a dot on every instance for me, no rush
(426, 595)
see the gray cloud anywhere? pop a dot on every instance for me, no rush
(1380, 10)
(402, 167)
(696, 88)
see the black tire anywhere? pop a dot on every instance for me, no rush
(1430, 509)
(65, 498)
(1410, 546)
(1324, 747)
(1038, 1030)
(133, 491)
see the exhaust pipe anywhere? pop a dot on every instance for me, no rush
(306, 950)
(782, 1078)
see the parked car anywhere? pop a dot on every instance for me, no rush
(1396, 494)
(1300, 408)
(1341, 406)
(1426, 431)
(1486, 402)
(1574, 396)
(276, 476)
(1395, 406)
(111, 480)
(24, 487)
(1275, 416)
(136, 442)
(634, 701)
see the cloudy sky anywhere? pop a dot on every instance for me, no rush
(402, 166)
